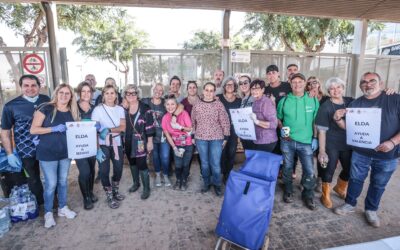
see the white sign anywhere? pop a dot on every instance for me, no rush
(363, 127)
(81, 139)
(240, 56)
(244, 126)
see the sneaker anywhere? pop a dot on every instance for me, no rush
(177, 185)
(167, 183)
(288, 197)
(372, 218)
(344, 209)
(49, 220)
(66, 212)
(205, 189)
(158, 180)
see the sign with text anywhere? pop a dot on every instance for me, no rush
(244, 126)
(363, 127)
(81, 139)
(240, 56)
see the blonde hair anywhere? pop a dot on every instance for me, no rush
(134, 87)
(155, 86)
(72, 104)
(107, 87)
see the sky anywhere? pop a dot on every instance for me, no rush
(167, 29)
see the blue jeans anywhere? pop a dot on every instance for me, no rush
(182, 164)
(381, 171)
(55, 175)
(210, 157)
(305, 153)
(161, 157)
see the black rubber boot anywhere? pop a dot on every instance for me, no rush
(115, 190)
(93, 197)
(112, 203)
(144, 174)
(87, 202)
(135, 178)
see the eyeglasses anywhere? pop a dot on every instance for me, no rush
(64, 93)
(230, 85)
(243, 83)
(313, 82)
(134, 93)
(372, 82)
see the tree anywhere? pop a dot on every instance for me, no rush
(296, 33)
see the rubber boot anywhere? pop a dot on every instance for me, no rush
(144, 174)
(87, 202)
(135, 178)
(112, 203)
(92, 196)
(115, 190)
(326, 195)
(341, 188)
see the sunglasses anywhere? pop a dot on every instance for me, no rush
(131, 93)
(313, 82)
(243, 83)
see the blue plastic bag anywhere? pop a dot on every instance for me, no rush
(4, 166)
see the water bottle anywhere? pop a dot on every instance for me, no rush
(5, 222)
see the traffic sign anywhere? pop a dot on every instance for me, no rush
(33, 63)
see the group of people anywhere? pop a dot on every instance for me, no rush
(293, 118)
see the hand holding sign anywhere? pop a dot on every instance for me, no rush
(385, 146)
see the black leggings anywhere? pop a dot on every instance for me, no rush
(334, 156)
(105, 165)
(86, 169)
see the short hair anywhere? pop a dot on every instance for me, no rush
(258, 82)
(228, 79)
(107, 87)
(191, 82)
(83, 84)
(134, 87)
(223, 72)
(209, 83)
(370, 73)
(110, 78)
(248, 77)
(155, 85)
(291, 65)
(175, 78)
(298, 75)
(32, 77)
(334, 81)
(272, 67)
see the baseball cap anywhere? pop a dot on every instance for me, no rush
(298, 75)
(272, 67)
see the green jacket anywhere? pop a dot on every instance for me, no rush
(298, 113)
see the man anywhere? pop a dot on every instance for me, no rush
(219, 75)
(175, 87)
(291, 69)
(301, 139)
(90, 78)
(18, 115)
(276, 89)
(383, 159)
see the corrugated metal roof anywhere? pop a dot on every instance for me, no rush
(381, 10)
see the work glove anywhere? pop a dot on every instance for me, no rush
(104, 133)
(97, 126)
(175, 125)
(100, 156)
(14, 161)
(59, 128)
(253, 116)
(314, 144)
(179, 152)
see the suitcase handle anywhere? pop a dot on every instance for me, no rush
(246, 189)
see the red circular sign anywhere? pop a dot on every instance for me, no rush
(33, 63)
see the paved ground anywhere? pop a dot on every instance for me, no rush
(186, 220)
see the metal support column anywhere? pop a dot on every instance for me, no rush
(52, 26)
(225, 43)
(359, 42)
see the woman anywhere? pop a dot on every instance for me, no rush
(264, 118)
(192, 97)
(230, 101)
(314, 89)
(177, 127)
(337, 149)
(211, 128)
(109, 81)
(138, 138)
(111, 118)
(161, 149)
(247, 101)
(49, 123)
(86, 165)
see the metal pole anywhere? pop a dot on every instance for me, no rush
(51, 20)
(359, 43)
(225, 42)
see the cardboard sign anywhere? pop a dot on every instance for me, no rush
(363, 127)
(244, 126)
(81, 139)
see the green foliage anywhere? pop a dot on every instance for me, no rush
(296, 33)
